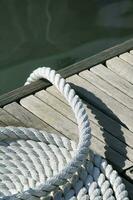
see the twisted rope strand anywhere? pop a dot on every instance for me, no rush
(82, 120)
(36, 165)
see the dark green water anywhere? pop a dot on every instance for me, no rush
(57, 33)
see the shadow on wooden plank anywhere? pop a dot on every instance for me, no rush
(82, 93)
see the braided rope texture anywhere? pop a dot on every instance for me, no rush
(37, 165)
(29, 157)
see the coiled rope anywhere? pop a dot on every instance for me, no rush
(37, 165)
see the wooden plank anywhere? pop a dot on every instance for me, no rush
(113, 79)
(24, 91)
(108, 123)
(112, 156)
(52, 90)
(56, 104)
(94, 141)
(95, 145)
(127, 57)
(27, 118)
(49, 115)
(107, 88)
(68, 128)
(102, 120)
(121, 68)
(2, 124)
(9, 119)
(102, 135)
(102, 101)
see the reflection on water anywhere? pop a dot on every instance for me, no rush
(57, 33)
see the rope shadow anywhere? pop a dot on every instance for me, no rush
(90, 98)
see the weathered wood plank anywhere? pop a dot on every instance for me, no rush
(56, 104)
(112, 156)
(27, 118)
(52, 90)
(127, 57)
(121, 68)
(113, 79)
(49, 115)
(59, 121)
(97, 146)
(107, 88)
(101, 134)
(24, 91)
(2, 124)
(9, 119)
(102, 101)
(102, 120)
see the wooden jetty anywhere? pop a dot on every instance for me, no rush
(105, 84)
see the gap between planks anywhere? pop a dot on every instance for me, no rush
(96, 128)
(128, 57)
(102, 101)
(94, 141)
(121, 67)
(107, 88)
(27, 118)
(96, 116)
(113, 79)
(6, 119)
(108, 124)
(72, 128)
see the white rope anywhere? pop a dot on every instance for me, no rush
(37, 165)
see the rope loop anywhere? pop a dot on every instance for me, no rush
(83, 125)
(36, 165)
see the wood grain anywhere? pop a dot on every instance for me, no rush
(8, 119)
(27, 118)
(99, 133)
(107, 88)
(121, 68)
(113, 79)
(127, 57)
(50, 116)
(56, 104)
(2, 124)
(99, 118)
(69, 129)
(102, 101)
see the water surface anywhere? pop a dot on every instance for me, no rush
(57, 33)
